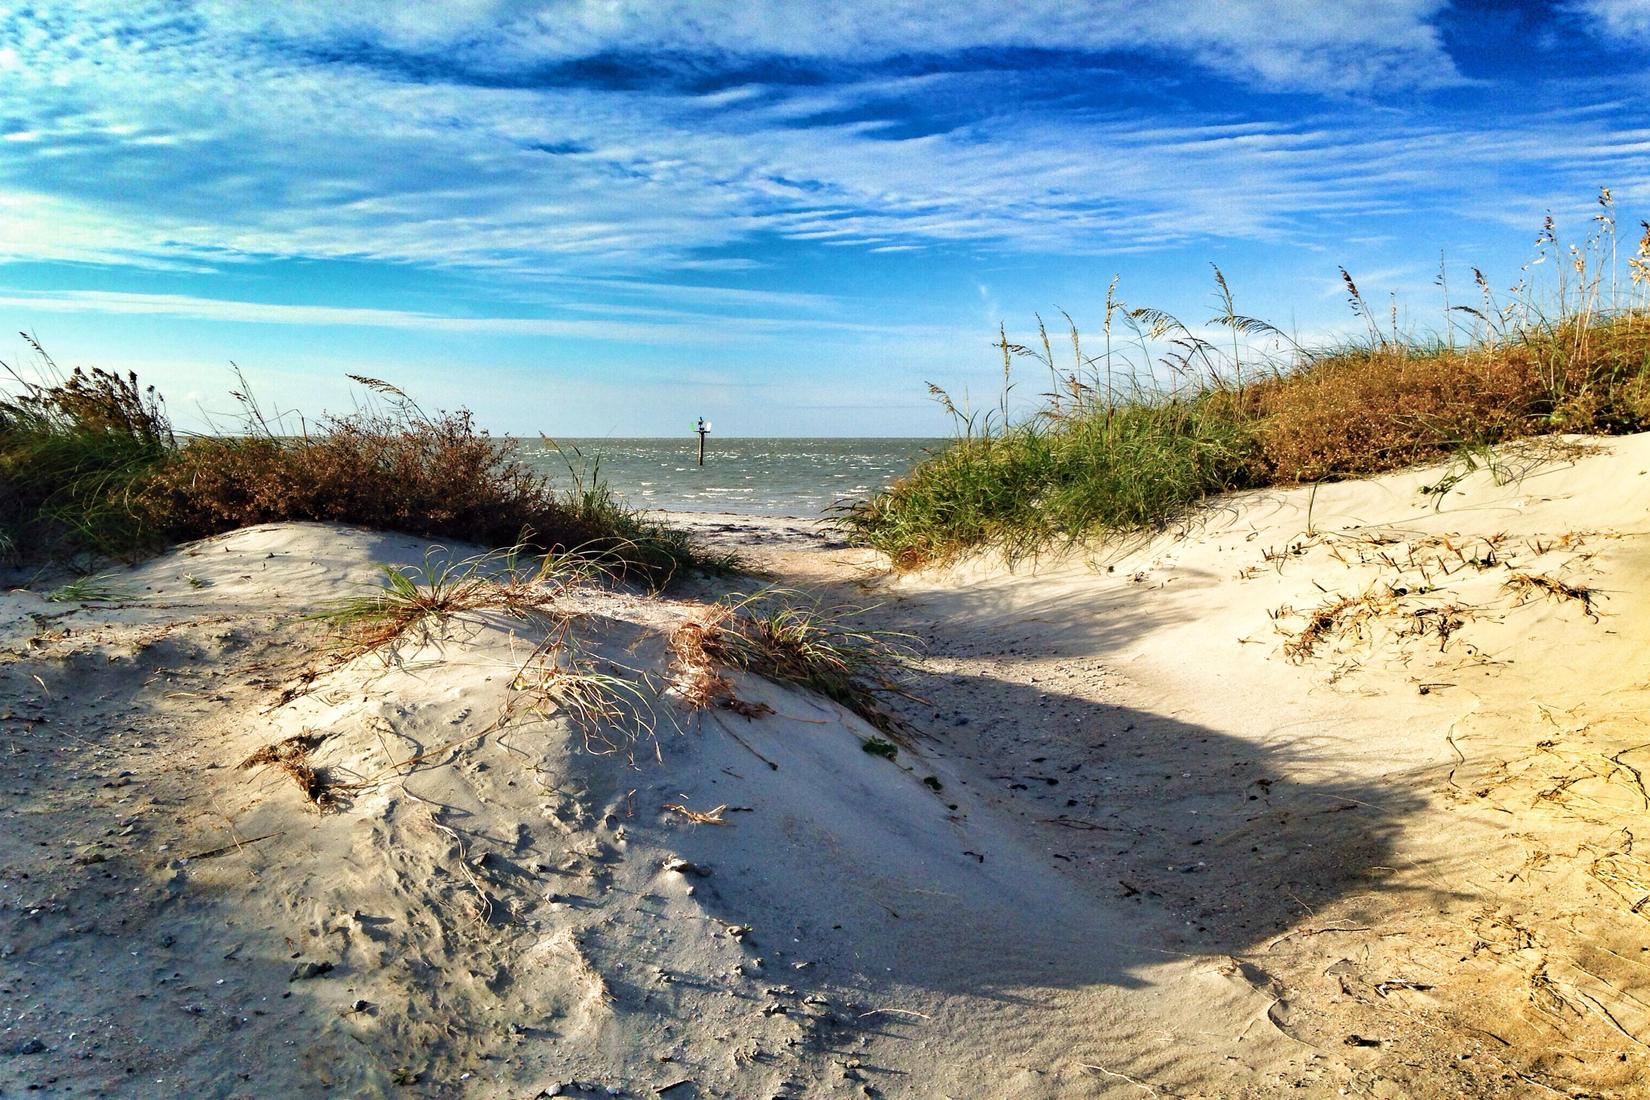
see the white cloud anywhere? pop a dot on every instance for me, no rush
(1278, 43)
(1625, 19)
(663, 327)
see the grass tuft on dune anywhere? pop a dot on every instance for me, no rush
(1168, 414)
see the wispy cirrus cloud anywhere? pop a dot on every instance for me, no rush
(157, 131)
(1275, 43)
(628, 324)
(128, 148)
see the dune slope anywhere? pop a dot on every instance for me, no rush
(243, 866)
(1382, 743)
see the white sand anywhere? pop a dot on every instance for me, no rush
(1164, 859)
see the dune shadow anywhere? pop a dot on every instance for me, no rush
(1141, 837)
(1132, 839)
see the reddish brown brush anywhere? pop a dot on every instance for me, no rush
(697, 646)
(789, 643)
(440, 477)
(292, 757)
(1384, 408)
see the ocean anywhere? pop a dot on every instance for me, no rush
(764, 477)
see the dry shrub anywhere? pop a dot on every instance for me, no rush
(392, 467)
(1367, 411)
(433, 477)
(88, 461)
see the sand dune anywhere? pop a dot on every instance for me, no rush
(1384, 745)
(1332, 792)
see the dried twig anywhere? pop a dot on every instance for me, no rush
(710, 817)
(1135, 1081)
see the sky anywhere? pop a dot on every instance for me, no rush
(611, 217)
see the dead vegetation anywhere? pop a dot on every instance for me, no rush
(1626, 874)
(1558, 945)
(292, 756)
(1350, 621)
(1423, 588)
(774, 633)
(1338, 616)
(1526, 586)
(613, 709)
(782, 637)
(699, 678)
(712, 816)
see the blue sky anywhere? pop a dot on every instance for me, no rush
(608, 217)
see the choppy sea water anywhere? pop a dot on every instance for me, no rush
(764, 477)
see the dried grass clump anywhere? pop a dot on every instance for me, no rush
(783, 638)
(613, 710)
(698, 678)
(292, 757)
(418, 597)
(1526, 586)
(1338, 616)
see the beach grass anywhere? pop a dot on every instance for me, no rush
(75, 455)
(513, 582)
(91, 468)
(91, 589)
(1167, 414)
